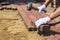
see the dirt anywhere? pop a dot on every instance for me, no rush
(12, 27)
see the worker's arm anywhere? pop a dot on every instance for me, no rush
(48, 18)
(43, 7)
(56, 13)
(47, 2)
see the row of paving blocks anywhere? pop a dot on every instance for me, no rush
(2, 8)
(6, 5)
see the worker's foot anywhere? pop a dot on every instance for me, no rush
(29, 6)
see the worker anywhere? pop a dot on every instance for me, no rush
(48, 18)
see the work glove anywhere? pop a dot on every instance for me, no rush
(41, 8)
(42, 21)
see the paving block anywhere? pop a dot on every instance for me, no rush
(26, 19)
(29, 14)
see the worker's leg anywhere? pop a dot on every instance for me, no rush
(48, 18)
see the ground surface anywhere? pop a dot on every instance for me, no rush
(12, 27)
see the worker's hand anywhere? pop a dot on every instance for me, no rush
(42, 21)
(41, 8)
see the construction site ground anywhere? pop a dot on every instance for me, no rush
(12, 27)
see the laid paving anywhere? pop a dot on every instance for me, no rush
(48, 29)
